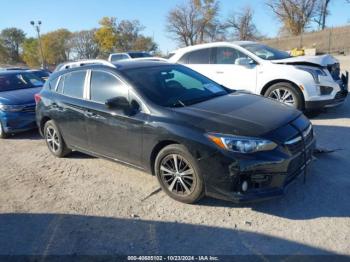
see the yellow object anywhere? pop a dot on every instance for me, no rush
(297, 52)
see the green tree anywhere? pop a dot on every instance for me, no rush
(31, 54)
(122, 36)
(56, 46)
(11, 39)
(107, 36)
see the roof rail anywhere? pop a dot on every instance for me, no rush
(80, 63)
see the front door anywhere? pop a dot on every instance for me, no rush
(113, 133)
(226, 69)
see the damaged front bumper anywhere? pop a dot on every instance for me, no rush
(266, 174)
(338, 99)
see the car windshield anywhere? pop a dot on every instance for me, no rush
(265, 52)
(139, 55)
(17, 81)
(174, 86)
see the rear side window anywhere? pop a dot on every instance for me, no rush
(199, 56)
(105, 86)
(74, 84)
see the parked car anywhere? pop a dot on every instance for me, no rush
(196, 136)
(17, 104)
(127, 55)
(306, 82)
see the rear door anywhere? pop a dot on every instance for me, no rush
(113, 132)
(68, 108)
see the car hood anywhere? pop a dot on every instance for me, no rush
(238, 114)
(322, 60)
(19, 97)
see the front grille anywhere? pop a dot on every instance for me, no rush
(296, 145)
(341, 94)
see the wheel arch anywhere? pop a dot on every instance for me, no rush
(42, 124)
(157, 148)
(276, 81)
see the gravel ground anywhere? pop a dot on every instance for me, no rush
(85, 205)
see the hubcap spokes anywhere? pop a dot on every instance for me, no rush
(177, 174)
(283, 95)
(52, 139)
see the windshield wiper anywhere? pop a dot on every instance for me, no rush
(179, 103)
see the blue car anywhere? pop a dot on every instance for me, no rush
(17, 102)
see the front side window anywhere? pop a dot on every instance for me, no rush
(201, 56)
(173, 86)
(228, 55)
(74, 84)
(105, 86)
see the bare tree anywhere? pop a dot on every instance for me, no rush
(84, 44)
(194, 22)
(243, 25)
(295, 15)
(322, 13)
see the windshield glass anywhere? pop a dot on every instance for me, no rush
(173, 86)
(265, 52)
(139, 55)
(18, 81)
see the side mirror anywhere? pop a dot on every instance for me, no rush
(119, 102)
(244, 61)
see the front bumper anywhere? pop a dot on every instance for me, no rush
(339, 97)
(268, 174)
(15, 122)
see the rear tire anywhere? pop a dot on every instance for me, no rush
(286, 93)
(54, 140)
(178, 174)
(3, 135)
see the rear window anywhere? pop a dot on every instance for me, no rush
(139, 55)
(18, 81)
(74, 84)
(118, 57)
(199, 57)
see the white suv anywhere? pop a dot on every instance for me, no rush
(306, 82)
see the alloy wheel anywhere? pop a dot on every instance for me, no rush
(283, 95)
(178, 175)
(52, 139)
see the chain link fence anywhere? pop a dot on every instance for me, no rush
(331, 40)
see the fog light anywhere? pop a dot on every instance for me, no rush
(244, 186)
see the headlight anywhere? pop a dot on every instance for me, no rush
(241, 144)
(315, 72)
(11, 108)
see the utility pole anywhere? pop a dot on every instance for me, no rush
(37, 28)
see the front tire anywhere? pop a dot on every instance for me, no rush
(54, 140)
(178, 174)
(286, 93)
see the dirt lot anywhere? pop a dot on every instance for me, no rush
(85, 205)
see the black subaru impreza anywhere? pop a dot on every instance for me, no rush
(197, 137)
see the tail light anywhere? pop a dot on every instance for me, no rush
(37, 98)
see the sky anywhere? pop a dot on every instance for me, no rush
(78, 15)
